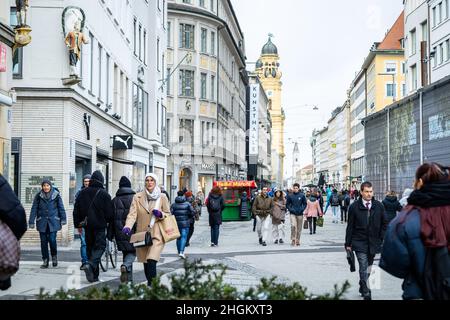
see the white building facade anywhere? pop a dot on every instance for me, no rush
(440, 38)
(63, 132)
(206, 94)
(357, 113)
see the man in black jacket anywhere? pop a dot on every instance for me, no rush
(365, 232)
(95, 204)
(121, 204)
(12, 214)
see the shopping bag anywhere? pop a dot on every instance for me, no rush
(319, 222)
(169, 228)
(305, 224)
(9, 252)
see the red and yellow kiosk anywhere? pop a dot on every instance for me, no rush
(232, 194)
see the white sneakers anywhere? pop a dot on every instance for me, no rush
(182, 256)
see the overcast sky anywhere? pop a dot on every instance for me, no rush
(322, 44)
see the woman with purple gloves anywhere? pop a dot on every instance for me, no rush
(148, 207)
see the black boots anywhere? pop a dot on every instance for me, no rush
(44, 264)
(365, 291)
(54, 261)
(90, 276)
(260, 241)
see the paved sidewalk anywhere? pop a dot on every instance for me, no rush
(319, 263)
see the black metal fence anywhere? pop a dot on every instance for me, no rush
(398, 139)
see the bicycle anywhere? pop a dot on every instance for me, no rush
(110, 255)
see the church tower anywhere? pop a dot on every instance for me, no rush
(268, 70)
(296, 161)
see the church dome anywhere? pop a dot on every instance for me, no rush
(269, 48)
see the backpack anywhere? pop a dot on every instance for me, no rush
(347, 201)
(214, 204)
(436, 280)
(334, 200)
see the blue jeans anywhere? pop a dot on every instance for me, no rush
(46, 238)
(335, 210)
(215, 230)
(181, 241)
(83, 252)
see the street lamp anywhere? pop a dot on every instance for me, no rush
(394, 89)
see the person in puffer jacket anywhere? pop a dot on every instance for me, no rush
(121, 204)
(183, 212)
(391, 205)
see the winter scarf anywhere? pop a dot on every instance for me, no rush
(433, 202)
(156, 193)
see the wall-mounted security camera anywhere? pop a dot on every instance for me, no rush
(99, 104)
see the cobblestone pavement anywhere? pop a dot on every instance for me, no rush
(319, 263)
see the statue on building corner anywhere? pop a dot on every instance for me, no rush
(74, 41)
(73, 21)
(22, 30)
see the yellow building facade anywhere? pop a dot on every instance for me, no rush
(268, 70)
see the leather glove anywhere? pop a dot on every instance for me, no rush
(158, 214)
(31, 225)
(126, 231)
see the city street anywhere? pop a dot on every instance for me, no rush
(318, 264)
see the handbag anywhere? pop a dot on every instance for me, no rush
(305, 224)
(351, 260)
(319, 222)
(84, 222)
(9, 252)
(142, 239)
(169, 228)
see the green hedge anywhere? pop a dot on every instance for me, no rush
(198, 282)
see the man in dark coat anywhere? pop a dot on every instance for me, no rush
(296, 204)
(95, 204)
(392, 206)
(183, 212)
(365, 232)
(81, 232)
(121, 204)
(215, 205)
(13, 214)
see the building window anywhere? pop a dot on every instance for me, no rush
(441, 53)
(167, 132)
(187, 36)
(168, 84)
(187, 1)
(403, 67)
(157, 55)
(447, 9)
(100, 53)
(434, 17)
(91, 84)
(447, 48)
(163, 124)
(413, 41)
(435, 64)
(186, 83)
(213, 88)
(440, 12)
(145, 47)
(107, 79)
(403, 89)
(135, 36)
(414, 77)
(157, 118)
(213, 9)
(18, 54)
(391, 67)
(208, 133)
(186, 131)
(202, 133)
(202, 3)
(140, 111)
(213, 43)
(140, 42)
(169, 34)
(203, 86)
(390, 90)
(204, 48)
(424, 27)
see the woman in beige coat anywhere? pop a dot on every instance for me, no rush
(146, 205)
